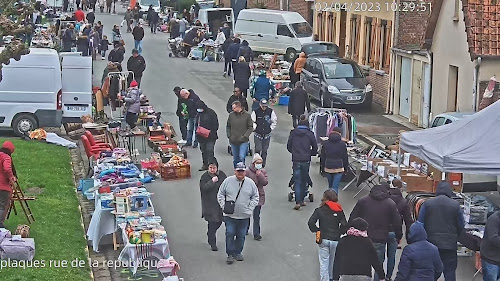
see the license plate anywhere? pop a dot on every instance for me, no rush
(354, 98)
(76, 108)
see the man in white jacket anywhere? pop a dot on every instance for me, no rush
(264, 122)
(242, 192)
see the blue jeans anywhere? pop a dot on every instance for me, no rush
(380, 247)
(301, 175)
(326, 254)
(190, 133)
(236, 230)
(449, 259)
(392, 247)
(138, 45)
(334, 181)
(239, 152)
(491, 272)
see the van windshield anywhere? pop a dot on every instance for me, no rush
(155, 3)
(336, 70)
(302, 29)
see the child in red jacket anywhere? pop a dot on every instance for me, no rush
(7, 178)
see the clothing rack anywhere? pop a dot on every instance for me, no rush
(323, 120)
(122, 82)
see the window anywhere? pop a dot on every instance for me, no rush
(448, 121)
(354, 46)
(438, 122)
(338, 70)
(317, 68)
(284, 30)
(302, 29)
(369, 40)
(309, 66)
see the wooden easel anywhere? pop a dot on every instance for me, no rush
(18, 195)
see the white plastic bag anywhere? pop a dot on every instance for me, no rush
(171, 278)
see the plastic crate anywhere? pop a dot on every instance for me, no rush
(284, 100)
(168, 173)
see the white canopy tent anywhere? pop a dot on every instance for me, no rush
(470, 145)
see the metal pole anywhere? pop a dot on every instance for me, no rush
(399, 160)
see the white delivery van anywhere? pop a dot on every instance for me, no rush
(275, 32)
(31, 91)
(76, 88)
(213, 18)
(144, 4)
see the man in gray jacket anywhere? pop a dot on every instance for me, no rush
(243, 192)
(239, 127)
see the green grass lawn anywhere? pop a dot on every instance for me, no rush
(57, 231)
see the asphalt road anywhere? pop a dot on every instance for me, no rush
(288, 250)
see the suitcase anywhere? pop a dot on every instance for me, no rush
(17, 248)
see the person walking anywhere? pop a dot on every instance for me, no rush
(136, 14)
(245, 51)
(210, 182)
(355, 255)
(382, 215)
(260, 88)
(227, 59)
(239, 127)
(117, 54)
(332, 222)
(490, 248)
(405, 213)
(149, 14)
(153, 22)
(265, 121)
(302, 145)
(191, 99)
(226, 29)
(128, 19)
(133, 105)
(8, 178)
(138, 33)
(109, 3)
(298, 104)
(334, 158)
(443, 221)
(420, 259)
(207, 125)
(137, 65)
(68, 38)
(242, 75)
(299, 64)
(236, 96)
(238, 196)
(258, 174)
(232, 56)
(182, 27)
(116, 35)
(182, 113)
(79, 15)
(90, 17)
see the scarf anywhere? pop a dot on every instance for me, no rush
(356, 232)
(334, 206)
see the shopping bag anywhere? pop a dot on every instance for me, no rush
(202, 132)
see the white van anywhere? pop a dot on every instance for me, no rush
(144, 4)
(271, 31)
(31, 91)
(213, 18)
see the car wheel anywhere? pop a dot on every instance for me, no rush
(23, 124)
(290, 55)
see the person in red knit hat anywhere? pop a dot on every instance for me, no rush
(8, 177)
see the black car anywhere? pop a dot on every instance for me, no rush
(320, 49)
(336, 81)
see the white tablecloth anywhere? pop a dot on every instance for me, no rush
(103, 222)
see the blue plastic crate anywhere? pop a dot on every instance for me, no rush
(284, 100)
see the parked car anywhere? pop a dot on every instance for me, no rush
(320, 49)
(448, 117)
(272, 31)
(336, 81)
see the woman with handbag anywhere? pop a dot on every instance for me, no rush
(207, 125)
(210, 210)
(331, 225)
(8, 177)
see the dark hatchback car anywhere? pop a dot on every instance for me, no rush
(336, 81)
(320, 49)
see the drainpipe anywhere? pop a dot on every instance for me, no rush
(390, 108)
(427, 113)
(475, 83)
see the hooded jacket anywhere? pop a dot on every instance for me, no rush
(332, 221)
(260, 88)
(380, 212)
(442, 218)
(208, 120)
(137, 65)
(490, 244)
(116, 55)
(261, 181)
(245, 51)
(300, 63)
(420, 260)
(233, 98)
(232, 51)
(210, 209)
(299, 102)
(239, 127)
(302, 144)
(334, 153)
(133, 100)
(403, 208)
(242, 75)
(225, 46)
(6, 172)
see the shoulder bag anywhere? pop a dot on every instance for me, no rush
(229, 205)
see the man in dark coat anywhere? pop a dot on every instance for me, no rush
(153, 22)
(490, 248)
(231, 56)
(91, 17)
(420, 260)
(242, 75)
(298, 103)
(191, 100)
(138, 33)
(210, 209)
(302, 145)
(117, 54)
(245, 51)
(137, 65)
(206, 118)
(182, 113)
(236, 96)
(382, 215)
(444, 221)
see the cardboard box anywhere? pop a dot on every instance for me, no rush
(415, 182)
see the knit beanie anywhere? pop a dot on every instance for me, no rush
(133, 84)
(359, 224)
(256, 157)
(9, 146)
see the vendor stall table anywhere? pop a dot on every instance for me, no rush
(129, 138)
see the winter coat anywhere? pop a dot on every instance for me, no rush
(225, 46)
(116, 35)
(192, 101)
(302, 144)
(299, 63)
(442, 218)
(79, 15)
(356, 256)
(261, 181)
(299, 102)
(245, 51)
(233, 98)
(137, 65)
(133, 100)
(380, 212)
(128, 16)
(208, 120)
(116, 55)
(260, 88)
(403, 208)
(221, 38)
(6, 173)
(334, 153)
(239, 127)
(104, 44)
(138, 33)
(227, 31)
(490, 244)
(332, 221)
(150, 14)
(174, 30)
(154, 17)
(232, 51)
(242, 75)
(246, 201)
(91, 17)
(420, 260)
(210, 209)
(82, 45)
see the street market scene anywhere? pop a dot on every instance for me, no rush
(249, 140)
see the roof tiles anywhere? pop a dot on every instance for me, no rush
(482, 24)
